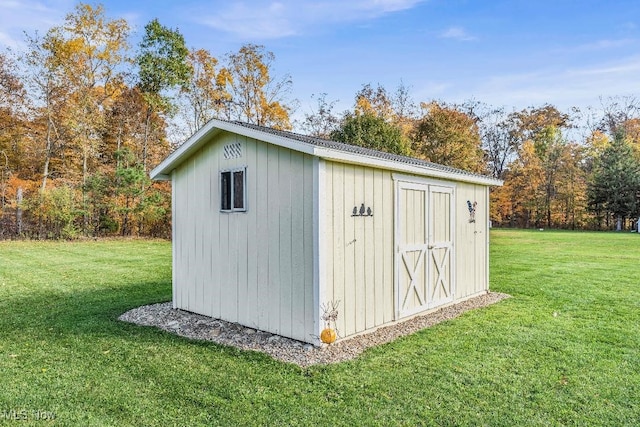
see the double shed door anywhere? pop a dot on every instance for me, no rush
(424, 247)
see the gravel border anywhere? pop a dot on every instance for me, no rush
(196, 326)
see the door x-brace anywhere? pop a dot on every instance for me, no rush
(441, 268)
(412, 271)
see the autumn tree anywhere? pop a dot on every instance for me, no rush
(11, 101)
(121, 142)
(374, 101)
(11, 123)
(256, 95)
(11, 88)
(617, 113)
(631, 129)
(65, 145)
(396, 107)
(496, 130)
(48, 93)
(564, 179)
(205, 95)
(528, 123)
(89, 49)
(520, 200)
(124, 124)
(448, 136)
(594, 146)
(553, 165)
(405, 112)
(549, 146)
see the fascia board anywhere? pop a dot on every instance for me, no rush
(362, 160)
(163, 170)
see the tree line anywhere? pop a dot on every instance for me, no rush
(84, 116)
(569, 170)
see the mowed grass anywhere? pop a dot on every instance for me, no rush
(564, 350)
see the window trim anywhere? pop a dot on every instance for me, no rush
(231, 172)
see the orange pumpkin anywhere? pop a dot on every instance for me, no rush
(328, 335)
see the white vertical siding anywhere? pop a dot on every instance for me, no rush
(471, 241)
(359, 250)
(369, 290)
(253, 267)
(321, 264)
(378, 294)
(262, 229)
(297, 311)
(337, 242)
(174, 246)
(386, 255)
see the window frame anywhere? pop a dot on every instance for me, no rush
(232, 172)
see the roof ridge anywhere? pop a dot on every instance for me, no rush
(354, 149)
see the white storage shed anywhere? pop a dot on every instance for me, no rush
(270, 225)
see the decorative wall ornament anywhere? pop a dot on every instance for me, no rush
(472, 210)
(362, 211)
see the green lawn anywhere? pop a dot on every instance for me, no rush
(565, 350)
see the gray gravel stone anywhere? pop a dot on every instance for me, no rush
(200, 327)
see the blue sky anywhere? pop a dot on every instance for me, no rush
(506, 53)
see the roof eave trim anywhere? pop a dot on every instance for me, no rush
(364, 160)
(183, 152)
(211, 128)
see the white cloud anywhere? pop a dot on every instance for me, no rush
(250, 22)
(569, 87)
(629, 26)
(276, 19)
(599, 45)
(18, 17)
(380, 6)
(456, 33)
(430, 90)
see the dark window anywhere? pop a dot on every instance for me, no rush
(232, 190)
(238, 190)
(225, 191)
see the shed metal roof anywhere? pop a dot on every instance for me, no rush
(323, 148)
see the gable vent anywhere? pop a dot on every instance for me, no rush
(232, 151)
